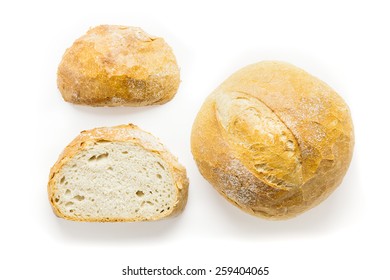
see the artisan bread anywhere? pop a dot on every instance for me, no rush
(116, 65)
(117, 174)
(273, 140)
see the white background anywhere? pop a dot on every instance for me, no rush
(344, 43)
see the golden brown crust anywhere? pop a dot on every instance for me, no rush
(273, 140)
(115, 65)
(122, 133)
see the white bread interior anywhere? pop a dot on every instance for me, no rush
(102, 182)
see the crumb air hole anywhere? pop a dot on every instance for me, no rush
(98, 157)
(163, 168)
(79, 197)
(140, 193)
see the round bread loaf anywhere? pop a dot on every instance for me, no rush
(273, 140)
(115, 65)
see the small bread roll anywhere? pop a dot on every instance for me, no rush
(117, 174)
(116, 65)
(273, 140)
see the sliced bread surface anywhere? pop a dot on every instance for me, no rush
(117, 174)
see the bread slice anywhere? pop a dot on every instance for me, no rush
(117, 174)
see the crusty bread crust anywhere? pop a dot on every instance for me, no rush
(115, 65)
(122, 133)
(273, 140)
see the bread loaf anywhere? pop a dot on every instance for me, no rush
(115, 65)
(117, 174)
(273, 140)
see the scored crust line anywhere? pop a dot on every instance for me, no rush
(273, 111)
(223, 132)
